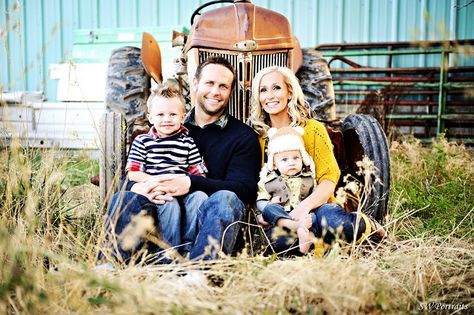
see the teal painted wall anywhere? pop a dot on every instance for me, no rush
(36, 33)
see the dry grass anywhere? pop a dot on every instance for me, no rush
(50, 230)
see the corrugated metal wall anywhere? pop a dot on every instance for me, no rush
(36, 33)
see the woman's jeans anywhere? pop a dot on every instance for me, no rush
(330, 222)
(184, 223)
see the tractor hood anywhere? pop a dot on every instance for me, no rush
(241, 26)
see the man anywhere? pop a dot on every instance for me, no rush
(231, 152)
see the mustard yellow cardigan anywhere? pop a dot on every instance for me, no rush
(320, 148)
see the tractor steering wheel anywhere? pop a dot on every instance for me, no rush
(197, 11)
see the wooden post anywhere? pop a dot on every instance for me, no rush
(112, 155)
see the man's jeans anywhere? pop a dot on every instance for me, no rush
(330, 221)
(217, 227)
(176, 227)
(205, 218)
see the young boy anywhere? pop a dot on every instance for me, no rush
(285, 181)
(166, 148)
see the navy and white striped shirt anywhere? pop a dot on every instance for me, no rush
(176, 154)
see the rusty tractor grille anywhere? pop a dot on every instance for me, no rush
(246, 65)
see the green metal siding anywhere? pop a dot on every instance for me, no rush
(41, 32)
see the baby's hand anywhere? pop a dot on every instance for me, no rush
(276, 199)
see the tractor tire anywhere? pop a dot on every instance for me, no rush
(363, 135)
(127, 85)
(316, 82)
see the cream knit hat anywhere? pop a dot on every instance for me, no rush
(287, 139)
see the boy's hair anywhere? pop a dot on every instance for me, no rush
(215, 60)
(165, 91)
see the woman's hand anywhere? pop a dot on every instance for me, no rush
(300, 212)
(262, 221)
(317, 198)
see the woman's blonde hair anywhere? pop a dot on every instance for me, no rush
(298, 109)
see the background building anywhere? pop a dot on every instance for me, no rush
(41, 39)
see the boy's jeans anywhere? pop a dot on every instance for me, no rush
(176, 227)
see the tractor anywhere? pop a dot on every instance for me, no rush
(251, 38)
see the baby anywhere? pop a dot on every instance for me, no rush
(285, 181)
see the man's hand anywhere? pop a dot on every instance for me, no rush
(151, 190)
(172, 184)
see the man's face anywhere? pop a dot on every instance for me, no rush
(213, 89)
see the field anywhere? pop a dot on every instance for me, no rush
(52, 226)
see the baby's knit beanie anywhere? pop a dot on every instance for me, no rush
(287, 139)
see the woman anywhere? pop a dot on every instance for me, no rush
(278, 101)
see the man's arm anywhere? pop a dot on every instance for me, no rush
(195, 160)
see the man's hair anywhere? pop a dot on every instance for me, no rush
(165, 91)
(215, 60)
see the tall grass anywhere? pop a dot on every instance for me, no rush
(437, 182)
(51, 222)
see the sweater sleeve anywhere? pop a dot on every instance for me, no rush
(242, 171)
(319, 146)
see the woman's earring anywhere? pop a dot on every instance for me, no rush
(289, 100)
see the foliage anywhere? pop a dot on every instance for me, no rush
(50, 227)
(438, 183)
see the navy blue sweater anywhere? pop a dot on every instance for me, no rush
(232, 156)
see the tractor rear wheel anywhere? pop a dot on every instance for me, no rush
(363, 135)
(127, 85)
(316, 82)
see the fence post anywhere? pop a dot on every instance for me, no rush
(112, 158)
(443, 77)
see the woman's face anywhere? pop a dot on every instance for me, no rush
(274, 94)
